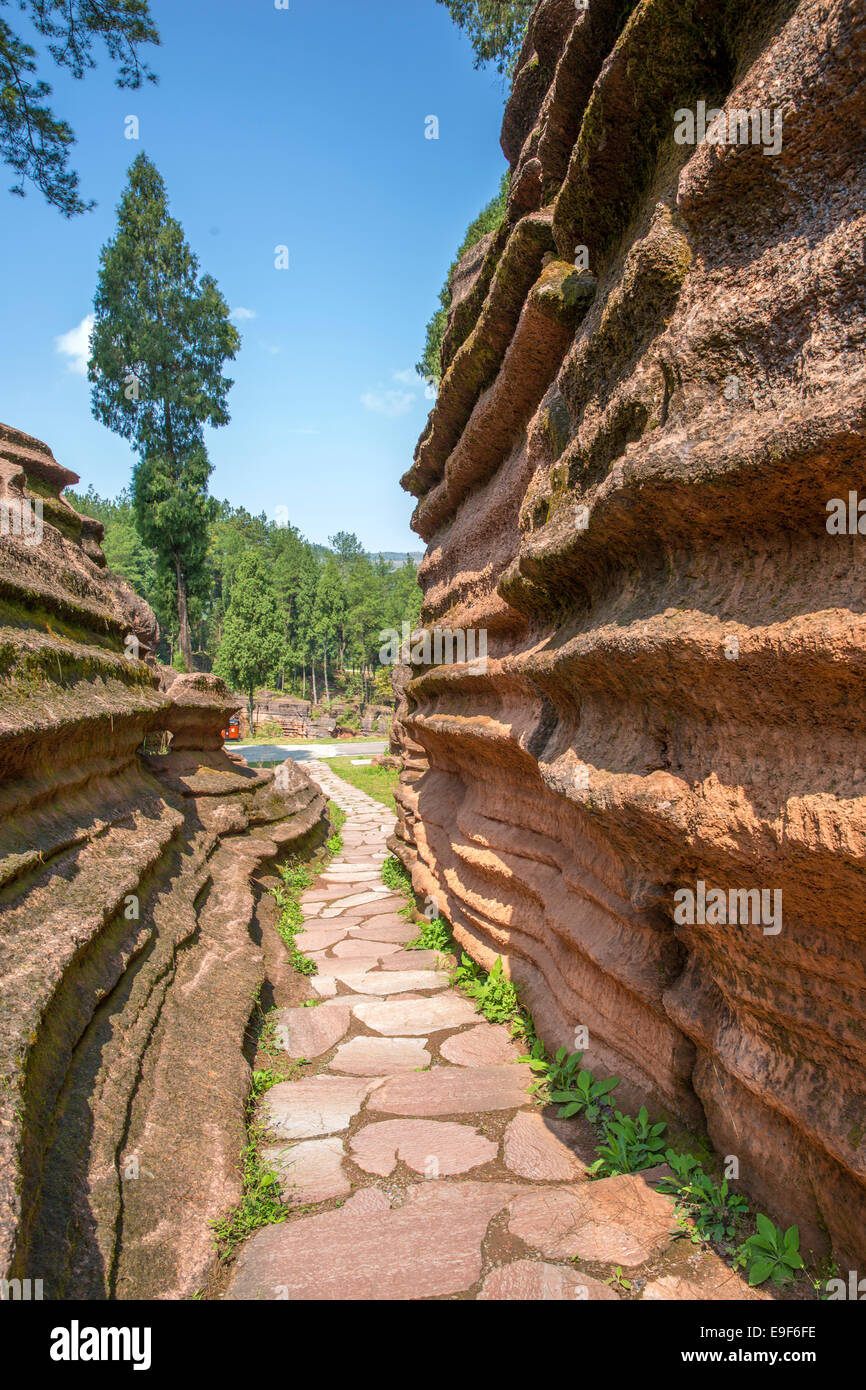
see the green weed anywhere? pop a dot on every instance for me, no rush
(630, 1145)
(433, 936)
(396, 876)
(770, 1253)
(495, 996)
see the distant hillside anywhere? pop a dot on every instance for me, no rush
(398, 557)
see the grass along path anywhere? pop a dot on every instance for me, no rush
(378, 782)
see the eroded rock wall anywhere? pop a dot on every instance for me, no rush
(653, 386)
(129, 947)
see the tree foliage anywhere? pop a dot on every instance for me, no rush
(34, 141)
(487, 220)
(335, 620)
(160, 340)
(495, 28)
(252, 638)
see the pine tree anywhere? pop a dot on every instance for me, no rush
(159, 343)
(329, 611)
(252, 634)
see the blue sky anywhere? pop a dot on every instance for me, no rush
(302, 127)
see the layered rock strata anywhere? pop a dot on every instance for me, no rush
(653, 387)
(129, 958)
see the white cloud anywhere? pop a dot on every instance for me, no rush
(388, 401)
(241, 313)
(272, 348)
(392, 403)
(76, 345)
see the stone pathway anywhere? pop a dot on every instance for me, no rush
(420, 1165)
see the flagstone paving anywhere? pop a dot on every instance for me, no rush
(430, 1170)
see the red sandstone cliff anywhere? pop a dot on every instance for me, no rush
(129, 958)
(654, 383)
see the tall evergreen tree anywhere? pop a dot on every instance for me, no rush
(252, 635)
(329, 612)
(160, 340)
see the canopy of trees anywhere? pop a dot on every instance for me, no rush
(331, 604)
(487, 220)
(32, 139)
(495, 28)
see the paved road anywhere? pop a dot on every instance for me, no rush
(304, 752)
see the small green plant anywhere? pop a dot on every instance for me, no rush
(267, 1041)
(395, 875)
(537, 1059)
(712, 1206)
(630, 1145)
(295, 879)
(561, 1082)
(619, 1279)
(433, 936)
(260, 1204)
(291, 915)
(770, 1253)
(334, 842)
(263, 1079)
(495, 995)
(302, 963)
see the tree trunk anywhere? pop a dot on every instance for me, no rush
(251, 694)
(184, 637)
(313, 674)
(325, 667)
(304, 681)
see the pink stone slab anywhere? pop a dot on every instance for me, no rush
(436, 1148)
(427, 1248)
(531, 1280)
(310, 1032)
(318, 1105)
(416, 1016)
(453, 1091)
(488, 1045)
(618, 1220)
(364, 1056)
(534, 1149)
(309, 1171)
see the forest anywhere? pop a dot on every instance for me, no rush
(320, 610)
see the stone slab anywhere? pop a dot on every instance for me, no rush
(452, 1091)
(427, 1248)
(619, 1221)
(416, 1016)
(436, 1148)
